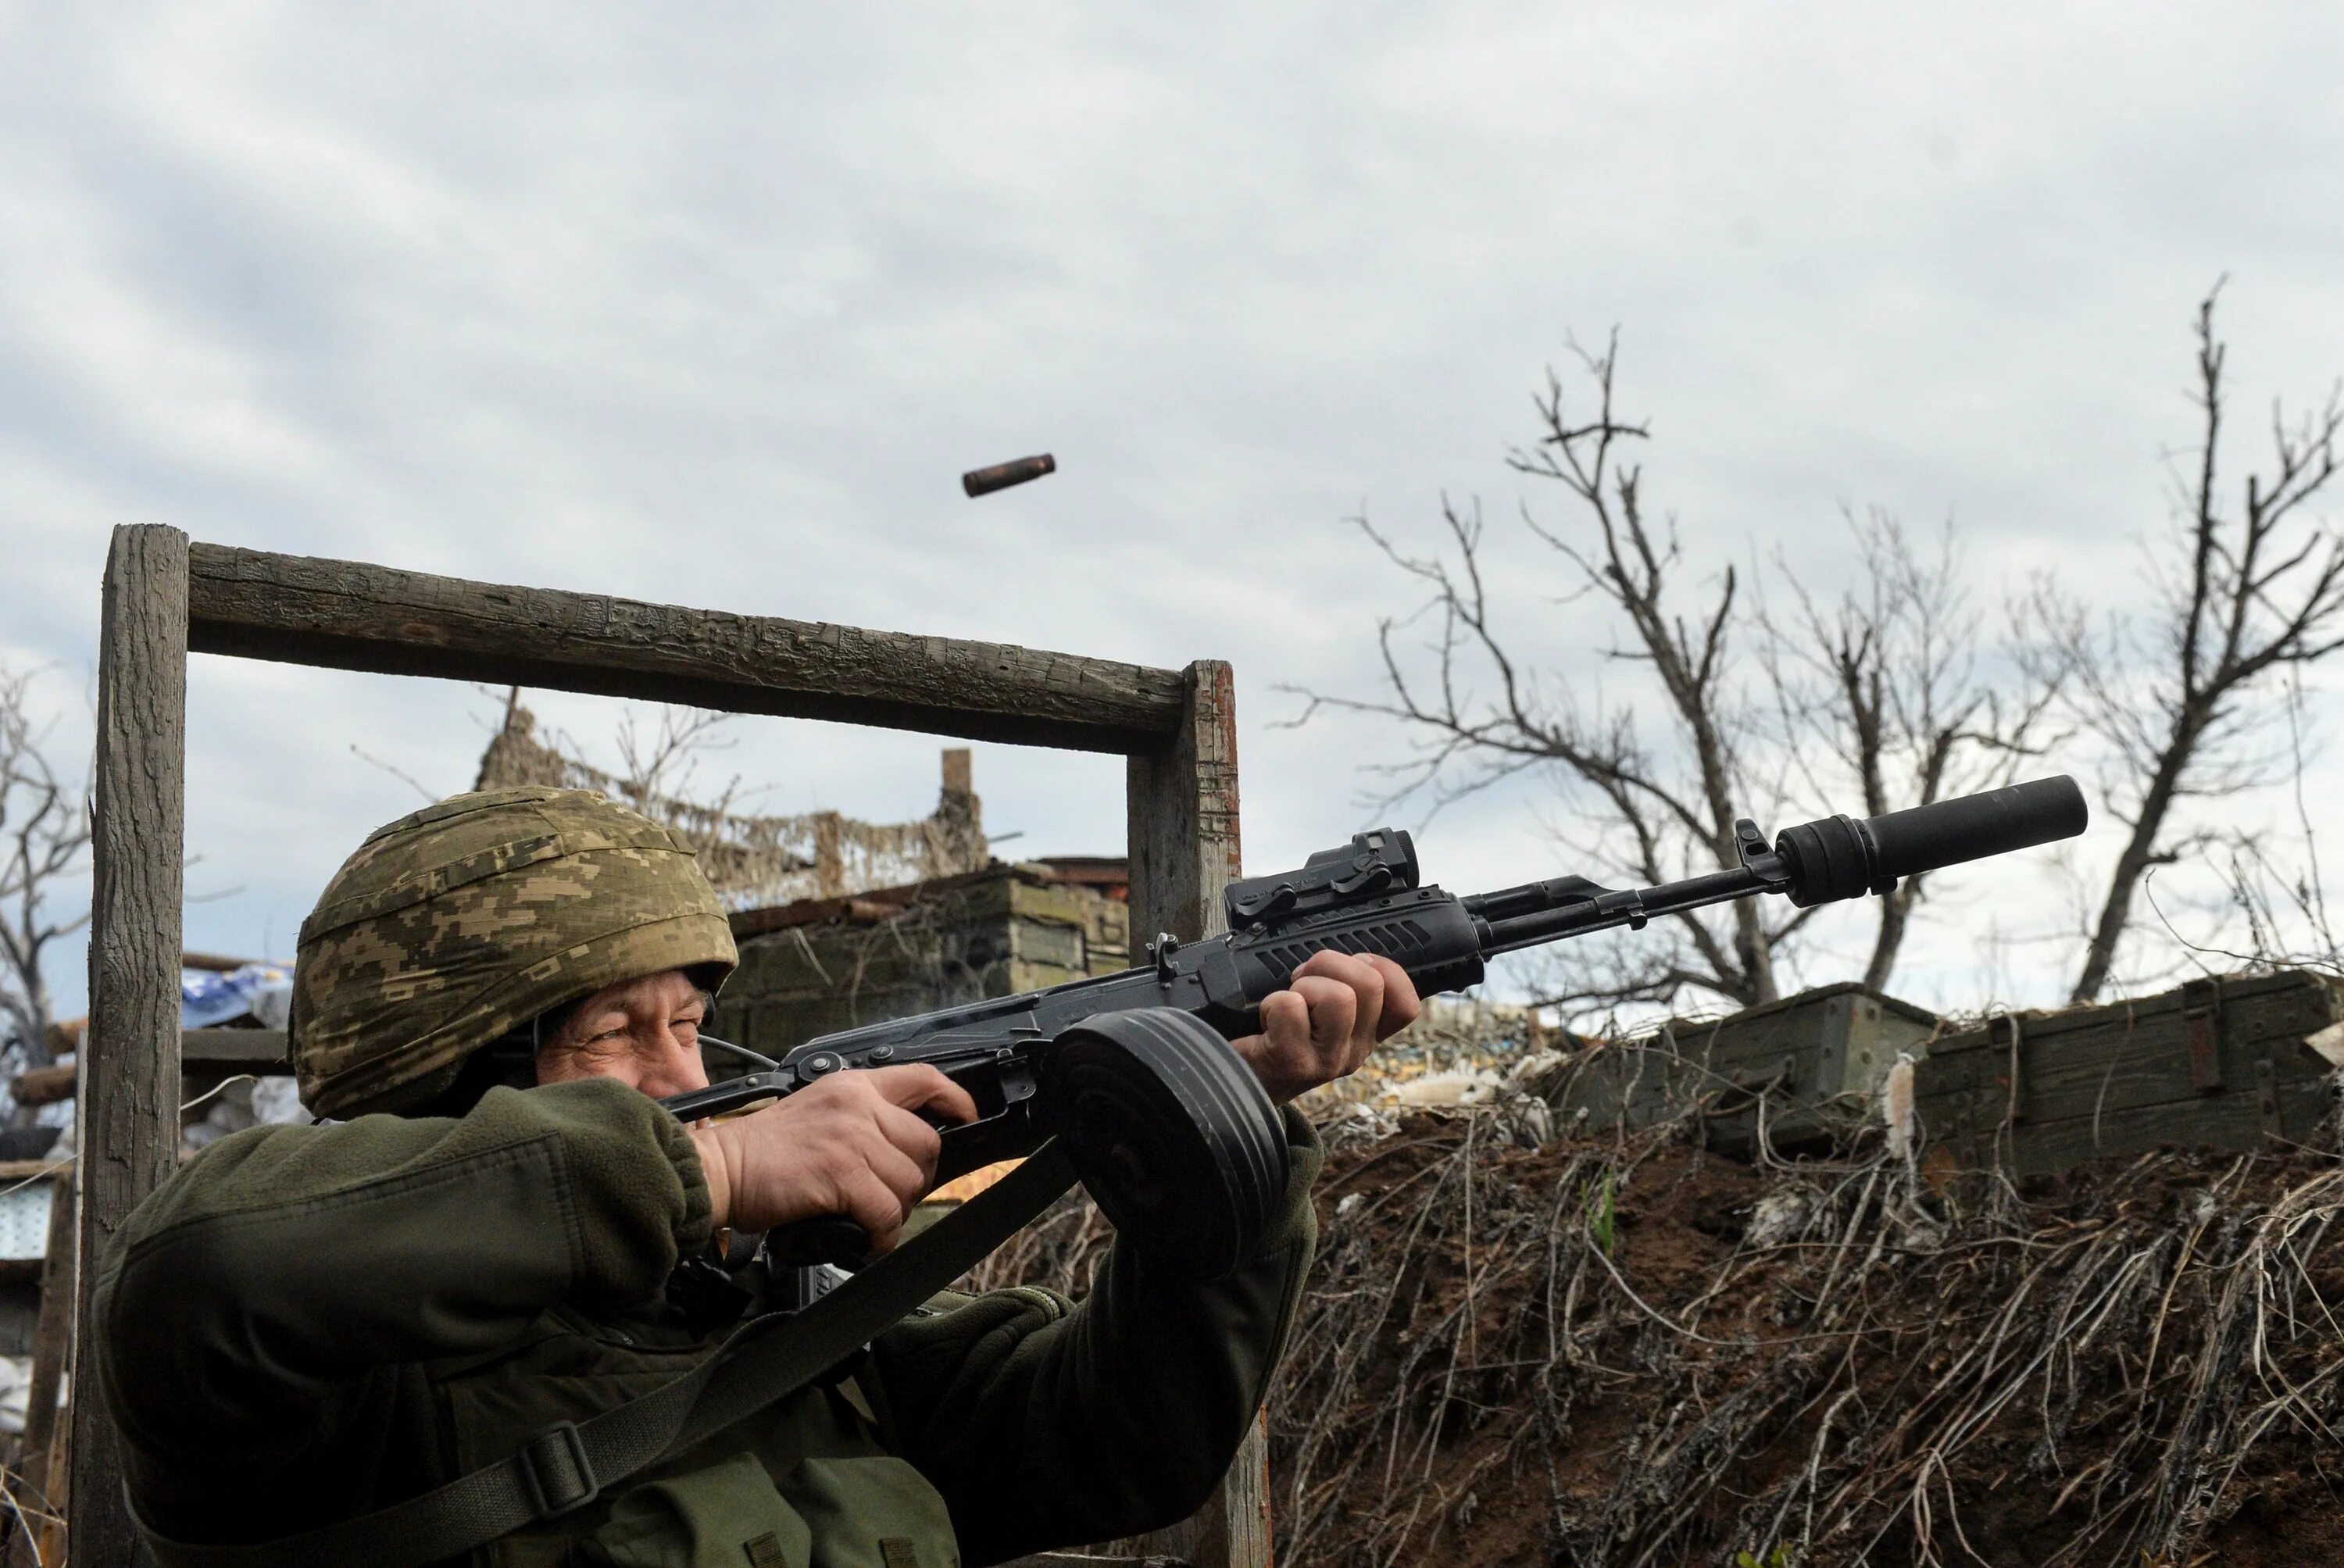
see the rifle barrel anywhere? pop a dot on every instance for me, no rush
(1606, 909)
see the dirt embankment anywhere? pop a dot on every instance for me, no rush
(1616, 1354)
(1634, 1354)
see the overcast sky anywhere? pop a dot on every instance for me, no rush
(712, 305)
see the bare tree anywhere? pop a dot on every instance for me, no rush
(2179, 699)
(1888, 677)
(659, 764)
(1480, 714)
(1886, 691)
(44, 842)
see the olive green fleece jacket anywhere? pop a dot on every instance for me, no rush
(309, 1323)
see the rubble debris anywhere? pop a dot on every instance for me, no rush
(755, 860)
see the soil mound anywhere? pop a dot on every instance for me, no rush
(1629, 1354)
(1624, 1353)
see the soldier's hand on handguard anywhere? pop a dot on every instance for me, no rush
(1338, 1008)
(849, 1143)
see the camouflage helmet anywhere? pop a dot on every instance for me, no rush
(455, 925)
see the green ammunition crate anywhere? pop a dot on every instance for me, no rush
(2223, 1064)
(1616, 1085)
(1807, 1066)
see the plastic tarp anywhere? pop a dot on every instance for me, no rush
(264, 990)
(15, 1392)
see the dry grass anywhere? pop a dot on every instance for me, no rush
(1628, 1352)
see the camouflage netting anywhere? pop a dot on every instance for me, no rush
(1622, 1353)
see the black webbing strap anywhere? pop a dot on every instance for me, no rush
(567, 1466)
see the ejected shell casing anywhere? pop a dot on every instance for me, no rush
(1001, 476)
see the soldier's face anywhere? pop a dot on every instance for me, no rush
(644, 1032)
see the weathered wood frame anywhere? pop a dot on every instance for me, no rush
(165, 598)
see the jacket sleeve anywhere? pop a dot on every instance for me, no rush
(246, 1295)
(1045, 1425)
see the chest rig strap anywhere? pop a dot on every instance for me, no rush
(566, 1466)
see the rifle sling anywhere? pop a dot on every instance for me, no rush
(567, 1465)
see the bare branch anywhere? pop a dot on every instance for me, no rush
(44, 832)
(2179, 703)
(1888, 693)
(1883, 695)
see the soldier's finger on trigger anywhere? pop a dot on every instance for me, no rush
(915, 1086)
(904, 1129)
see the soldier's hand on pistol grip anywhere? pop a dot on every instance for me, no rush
(852, 1144)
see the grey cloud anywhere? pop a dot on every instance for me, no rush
(714, 311)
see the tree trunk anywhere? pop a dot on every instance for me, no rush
(2139, 853)
(1895, 910)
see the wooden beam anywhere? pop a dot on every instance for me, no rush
(232, 1050)
(129, 1098)
(46, 1086)
(242, 1050)
(1182, 803)
(350, 616)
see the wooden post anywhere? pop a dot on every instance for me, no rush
(129, 1064)
(51, 1346)
(53, 1338)
(1182, 800)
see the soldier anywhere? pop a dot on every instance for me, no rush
(308, 1324)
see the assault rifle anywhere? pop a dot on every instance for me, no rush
(1167, 1126)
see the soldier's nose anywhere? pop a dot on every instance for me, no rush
(675, 1068)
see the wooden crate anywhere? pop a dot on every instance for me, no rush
(1617, 1086)
(2221, 1063)
(1806, 1066)
(851, 961)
